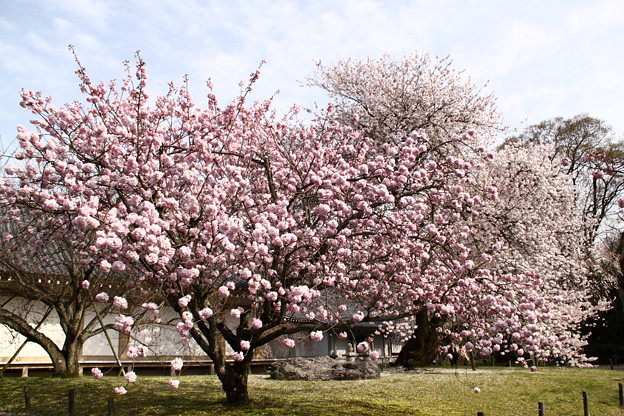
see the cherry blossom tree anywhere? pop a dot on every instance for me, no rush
(255, 228)
(392, 98)
(45, 282)
(595, 161)
(538, 221)
(529, 213)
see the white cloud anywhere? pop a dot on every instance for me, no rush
(38, 42)
(62, 25)
(96, 12)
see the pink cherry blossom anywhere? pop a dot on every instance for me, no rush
(85, 284)
(123, 323)
(187, 317)
(362, 347)
(245, 345)
(174, 384)
(151, 306)
(176, 364)
(106, 266)
(358, 317)
(132, 352)
(120, 390)
(102, 297)
(118, 266)
(184, 301)
(183, 328)
(151, 258)
(316, 335)
(256, 323)
(374, 355)
(205, 313)
(120, 303)
(97, 373)
(238, 356)
(289, 342)
(130, 377)
(143, 351)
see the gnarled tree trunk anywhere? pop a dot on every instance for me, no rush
(65, 362)
(72, 354)
(233, 375)
(422, 348)
(234, 382)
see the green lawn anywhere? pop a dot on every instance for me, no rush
(435, 392)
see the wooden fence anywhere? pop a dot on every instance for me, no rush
(541, 407)
(71, 402)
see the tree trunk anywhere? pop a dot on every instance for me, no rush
(72, 354)
(234, 382)
(59, 358)
(67, 362)
(422, 348)
(59, 364)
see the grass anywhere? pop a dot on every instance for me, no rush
(436, 392)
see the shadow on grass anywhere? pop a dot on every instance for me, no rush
(285, 407)
(503, 391)
(49, 397)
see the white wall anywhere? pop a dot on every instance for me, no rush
(162, 340)
(10, 341)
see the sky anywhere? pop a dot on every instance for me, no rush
(541, 59)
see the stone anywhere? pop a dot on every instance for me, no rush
(324, 368)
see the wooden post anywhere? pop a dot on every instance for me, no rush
(25, 371)
(111, 406)
(27, 399)
(540, 408)
(72, 402)
(585, 404)
(621, 393)
(611, 363)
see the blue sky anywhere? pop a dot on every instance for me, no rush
(542, 58)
